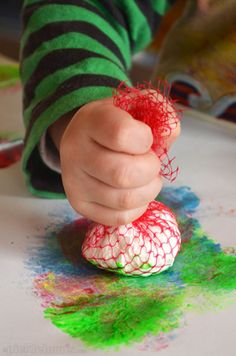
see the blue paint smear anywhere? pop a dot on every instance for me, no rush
(51, 257)
(181, 199)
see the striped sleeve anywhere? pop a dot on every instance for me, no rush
(74, 52)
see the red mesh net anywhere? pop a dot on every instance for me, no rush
(147, 104)
(146, 246)
(149, 244)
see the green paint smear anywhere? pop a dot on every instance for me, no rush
(9, 75)
(146, 266)
(202, 277)
(119, 320)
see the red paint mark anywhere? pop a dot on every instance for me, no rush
(10, 154)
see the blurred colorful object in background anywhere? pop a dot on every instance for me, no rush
(11, 146)
(11, 143)
(196, 47)
(9, 75)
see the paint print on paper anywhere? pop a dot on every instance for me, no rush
(104, 310)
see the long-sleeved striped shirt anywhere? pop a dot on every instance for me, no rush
(74, 52)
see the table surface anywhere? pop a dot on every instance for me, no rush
(206, 155)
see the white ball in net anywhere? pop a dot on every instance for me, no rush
(146, 246)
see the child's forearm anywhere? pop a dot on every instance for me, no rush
(74, 53)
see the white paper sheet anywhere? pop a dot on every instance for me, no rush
(206, 154)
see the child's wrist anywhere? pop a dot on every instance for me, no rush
(57, 129)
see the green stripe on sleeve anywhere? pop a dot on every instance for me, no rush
(72, 13)
(140, 31)
(161, 6)
(92, 65)
(70, 40)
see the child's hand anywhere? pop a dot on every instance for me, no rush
(109, 172)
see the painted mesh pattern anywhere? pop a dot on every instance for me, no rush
(146, 246)
(149, 105)
(149, 244)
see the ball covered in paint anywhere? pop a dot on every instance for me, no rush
(146, 246)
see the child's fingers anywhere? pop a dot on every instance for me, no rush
(107, 216)
(117, 169)
(173, 135)
(119, 199)
(115, 129)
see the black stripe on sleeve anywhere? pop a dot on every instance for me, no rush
(76, 82)
(107, 4)
(153, 18)
(55, 60)
(172, 2)
(115, 12)
(55, 29)
(29, 10)
(42, 177)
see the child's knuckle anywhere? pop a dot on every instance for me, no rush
(126, 200)
(120, 135)
(121, 218)
(121, 176)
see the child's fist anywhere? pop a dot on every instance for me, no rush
(108, 170)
